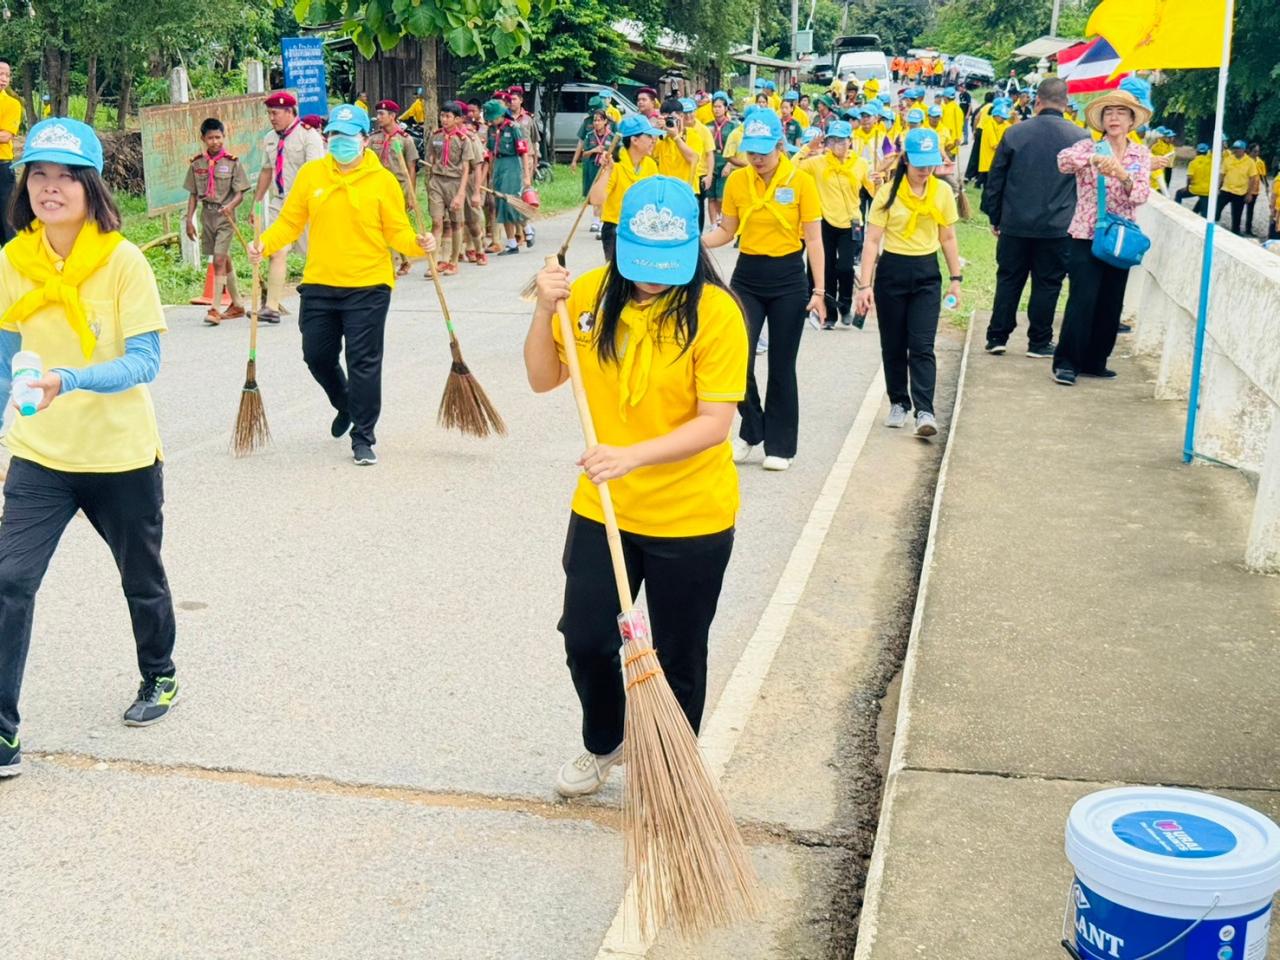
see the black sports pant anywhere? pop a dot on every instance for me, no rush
(1236, 201)
(1249, 204)
(6, 195)
(841, 246)
(682, 578)
(1044, 259)
(908, 294)
(358, 315)
(772, 289)
(1092, 317)
(126, 510)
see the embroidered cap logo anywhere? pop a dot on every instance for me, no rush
(757, 128)
(650, 223)
(57, 137)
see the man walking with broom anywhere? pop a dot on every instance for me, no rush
(355, 210)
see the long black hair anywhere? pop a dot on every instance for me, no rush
(679, 313)
(899, 174)
(100, 206)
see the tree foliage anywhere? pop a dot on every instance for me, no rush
(994, 28)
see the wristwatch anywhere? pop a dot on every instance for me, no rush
(957, 278)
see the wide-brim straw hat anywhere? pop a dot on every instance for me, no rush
(1116, 98)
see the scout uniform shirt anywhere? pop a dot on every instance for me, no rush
(215, 181)
(386, 144)
(10, 121)
(283, 155)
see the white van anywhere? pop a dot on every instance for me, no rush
(863, 64)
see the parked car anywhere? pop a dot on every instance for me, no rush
(974, 71)
(859, 55)
(822, 73)
(571, 110)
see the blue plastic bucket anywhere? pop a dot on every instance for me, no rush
(1169, 874)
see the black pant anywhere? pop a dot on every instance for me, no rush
(6, 195)
(971, 168)
(682, 578)
(1248, 214)
(1237, 208)
(773, 289)
(126, 510)
(908, 294)
(359, 315)
(1201, 204)
(702, 209)
(1092, 317)
(864, 202)
(841, 246)
(609, 237)
(1045, 260)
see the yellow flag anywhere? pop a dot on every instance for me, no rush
(1161, 34)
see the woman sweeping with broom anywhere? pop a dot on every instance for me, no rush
(355, 209)
(80, 302)
(663, 350)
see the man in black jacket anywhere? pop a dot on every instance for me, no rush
(1030, 205)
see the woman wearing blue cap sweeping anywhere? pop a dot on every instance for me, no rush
(663, 350)
(634, 163)
(772, 208)
(80, 302)
(911, 218)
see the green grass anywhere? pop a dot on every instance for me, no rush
(978, 248)
(563, 191)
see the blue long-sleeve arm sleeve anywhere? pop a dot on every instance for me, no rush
(10, 344)
(140, 364)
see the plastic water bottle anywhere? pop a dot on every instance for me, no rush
(26, 368)
(950, 302)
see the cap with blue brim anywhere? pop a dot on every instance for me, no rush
(915, 115)
(720, 95)
(1202, 148)
(935, 111)
(658, 240)
(839, 130)
(922, 148)
(761, 131)
(887, 114)
(687, 104)
(1239, 145)
(791, 95)
(349, 119)
(62, 140)
(634, 125)
(815, 133)
(1001, 111)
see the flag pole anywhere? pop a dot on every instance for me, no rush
(1211, 215)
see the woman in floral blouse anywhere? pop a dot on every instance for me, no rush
(1092, 317)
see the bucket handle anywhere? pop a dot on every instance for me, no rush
(1075, 954)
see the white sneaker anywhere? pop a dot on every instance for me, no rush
(776, 463)
(586, 774)
(742, 450)
(926, 425)
(762, 345)
(897, 416)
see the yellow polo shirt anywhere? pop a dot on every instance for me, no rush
(691, 497)
(924, 238)
(839, 183)
(355, 219)
(83, 431)
(1199, 170)
(622, 176)
(700, 138)
(775, 228)
(10, 121)
(1237, 172)
(672, 163)
(704, 114)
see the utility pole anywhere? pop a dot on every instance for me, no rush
(755, 52)
(795, 28)
(1053, 23)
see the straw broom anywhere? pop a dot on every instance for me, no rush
(685, 857)
(251, 432)
(522, 207)
(464, 405)
(530, 291)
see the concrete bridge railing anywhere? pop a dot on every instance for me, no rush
(1239, 415)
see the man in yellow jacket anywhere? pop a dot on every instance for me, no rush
(1199, 172)
(355, 209)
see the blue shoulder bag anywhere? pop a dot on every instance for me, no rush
(1116, 240)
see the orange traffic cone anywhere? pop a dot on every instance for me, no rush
(206, 299)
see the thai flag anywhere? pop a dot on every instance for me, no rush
(1087, 67)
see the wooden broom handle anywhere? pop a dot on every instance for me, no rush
(589, 435)
(585, 203)
(255, 295)
(431, 258)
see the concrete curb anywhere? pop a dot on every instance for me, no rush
(869, 917)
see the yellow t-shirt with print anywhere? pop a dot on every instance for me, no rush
(691, 497)
(923, 239)
(10, 121)
(623, 175)
(788, 201)
(83, 431)
(1237, 172)
(839, 183)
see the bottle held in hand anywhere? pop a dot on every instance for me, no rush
(27, 368)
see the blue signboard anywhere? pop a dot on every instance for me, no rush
(304, 72)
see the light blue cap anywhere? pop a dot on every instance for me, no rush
(761, 131)
(865, 111)
(935, 111)
(839, 130)
(62, 140)
(949, 91)
(1239, 145)
(635, 125)
(1202, 148)
(759, 83)
(813, 133)
(1139, 88)
(658, 239)
(687, 105)
(915, 115)
(923, 149)
(720, 95)
(887, 114)
(791, 95)
(349, 119)
(770, 85)
(1001, 111)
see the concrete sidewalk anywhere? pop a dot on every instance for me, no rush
(1084, 620)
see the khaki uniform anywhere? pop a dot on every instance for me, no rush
(446, 156)
(529, 127)
(301, 145)
(384, 146)
(229, 181)
(479, 156)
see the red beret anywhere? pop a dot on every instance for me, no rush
(516, 89)
(463, 106)
(388, 105)
(503, 96)
(314, 121)
(282, 98)
(649, 90)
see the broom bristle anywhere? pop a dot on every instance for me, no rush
(530, 291)
(251, 432)
(465, 406)
(685, 856)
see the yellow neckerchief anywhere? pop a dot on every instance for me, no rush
(340, 180)
(918, 205)
(31, 256)
(781, 178)
(842, 170)
(637, 356)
